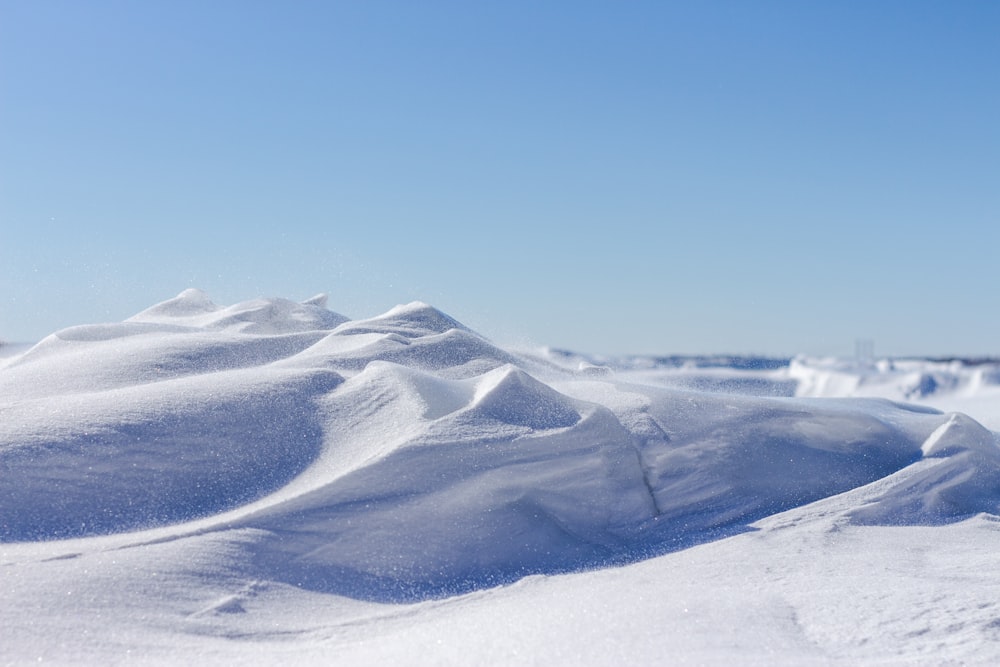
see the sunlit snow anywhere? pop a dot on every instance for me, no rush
(273, 482)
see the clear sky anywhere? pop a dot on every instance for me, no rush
(648, 177)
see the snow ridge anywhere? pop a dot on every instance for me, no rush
(405, 456)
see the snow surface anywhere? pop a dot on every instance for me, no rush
(272, 482)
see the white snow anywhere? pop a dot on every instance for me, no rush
(271, 482)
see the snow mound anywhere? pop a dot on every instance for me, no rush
(405, 456)
(510, 395)
(260, 316)
(412, 320)
(189, 303)
(964, 480)
(903, 379)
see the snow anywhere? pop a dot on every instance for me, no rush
(273, 482)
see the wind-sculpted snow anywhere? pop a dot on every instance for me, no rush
(150, 454)
(405, 456)
(261, 316)
(961, 475)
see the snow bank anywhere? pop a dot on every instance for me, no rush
(405, 456)
(270, 482)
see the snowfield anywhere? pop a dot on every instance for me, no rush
(273, 482)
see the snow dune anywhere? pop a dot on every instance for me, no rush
(279, 446)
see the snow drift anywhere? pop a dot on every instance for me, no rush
(405, 456)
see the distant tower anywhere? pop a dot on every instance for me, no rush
(864, 351)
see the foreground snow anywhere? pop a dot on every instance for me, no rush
(274, 482)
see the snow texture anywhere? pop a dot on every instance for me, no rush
(203, 473)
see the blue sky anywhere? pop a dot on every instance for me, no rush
(649, 177)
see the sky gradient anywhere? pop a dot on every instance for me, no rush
(644, 177)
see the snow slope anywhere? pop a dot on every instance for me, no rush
(270, 481)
